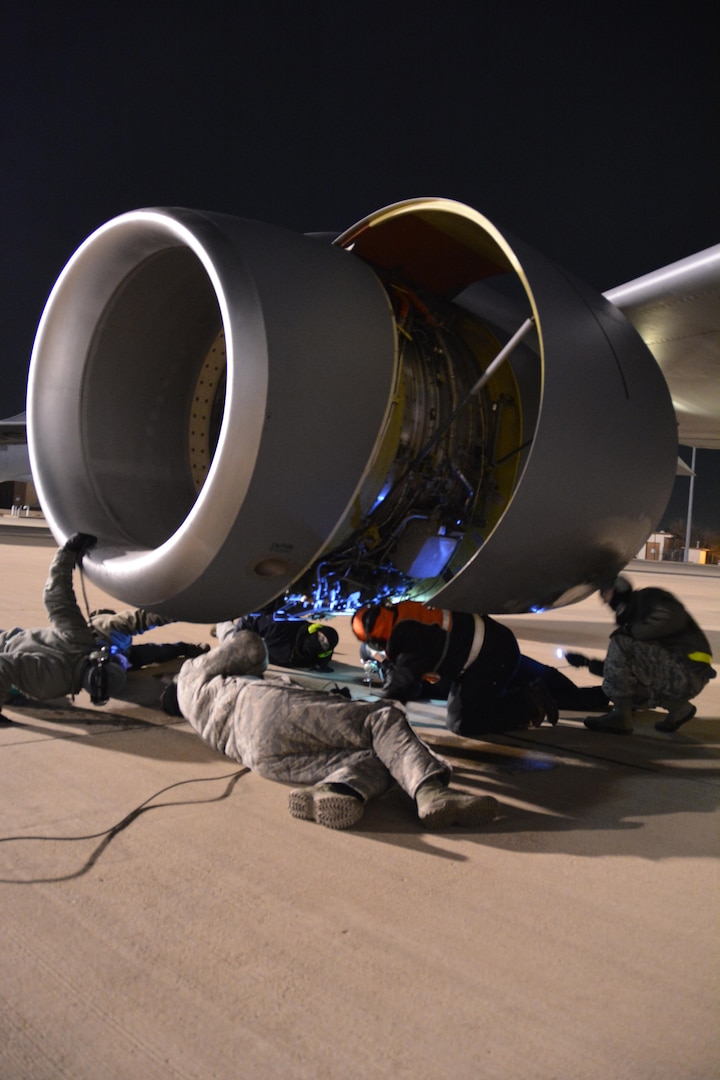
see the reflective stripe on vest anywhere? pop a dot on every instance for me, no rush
(701, 657)
(477, 644)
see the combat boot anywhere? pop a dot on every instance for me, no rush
(618, 721)
(438, 806)
(679, 712)
(547, 706)
(335, 806)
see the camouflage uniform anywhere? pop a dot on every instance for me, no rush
(49, 662)
(285, 732)
(658, 653)
(117, 629)
(647, 673)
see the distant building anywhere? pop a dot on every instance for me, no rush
(655, 546)
(18, 493)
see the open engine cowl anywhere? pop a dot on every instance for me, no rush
(425, 407)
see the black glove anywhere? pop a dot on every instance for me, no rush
(576, 659)
(80, 544)
(597, 667)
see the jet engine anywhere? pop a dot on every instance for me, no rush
(422, 407)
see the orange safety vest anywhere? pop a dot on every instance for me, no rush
(380, 628)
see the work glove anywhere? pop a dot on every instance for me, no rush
(80, 544)
(576, 659)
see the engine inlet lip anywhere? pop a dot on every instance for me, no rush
(88, 283)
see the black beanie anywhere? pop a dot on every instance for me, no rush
(621, 589)
(310, 645)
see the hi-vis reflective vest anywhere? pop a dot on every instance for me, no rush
(376, 621)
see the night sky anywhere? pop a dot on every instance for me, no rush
(590, 131)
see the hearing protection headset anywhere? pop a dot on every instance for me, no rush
(316, 628)
(98, 675)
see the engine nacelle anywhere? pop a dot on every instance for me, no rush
(424, 408)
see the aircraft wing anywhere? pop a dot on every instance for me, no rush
(13, 430)
(676, 310)
(14, 454)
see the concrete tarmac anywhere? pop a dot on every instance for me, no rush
(165, 917)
